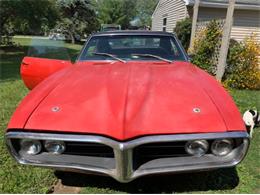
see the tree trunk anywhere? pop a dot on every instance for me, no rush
(73, 32)
(72, 37)
(2, 27)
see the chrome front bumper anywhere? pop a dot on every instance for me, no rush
(121, 166)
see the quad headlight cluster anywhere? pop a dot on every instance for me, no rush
(33, 147)
(219, 147)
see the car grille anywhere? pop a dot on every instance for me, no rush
(127, 160)
(89, 149)
(148, 152)
(142, 153)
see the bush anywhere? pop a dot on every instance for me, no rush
(242, 70)
(183, 31)
(205, 44)
(243, 65)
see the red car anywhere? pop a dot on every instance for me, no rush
(131, 105)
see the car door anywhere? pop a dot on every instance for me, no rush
(34, 70)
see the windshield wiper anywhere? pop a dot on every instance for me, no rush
(110, 55)
(153, 56)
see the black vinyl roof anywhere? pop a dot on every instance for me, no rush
(133, 32)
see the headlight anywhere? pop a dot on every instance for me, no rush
(197, 147)
(222, 147)
(55, 147)
(31, 147)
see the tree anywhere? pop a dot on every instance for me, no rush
(33, 15)
(78, 17)
(183, 31)
(27, 16)
(110, 11)
(145, 10)
(116, 12)
(129, 9)
(6, 14)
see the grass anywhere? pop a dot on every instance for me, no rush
(14, 178)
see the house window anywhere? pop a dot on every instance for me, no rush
(164, 21)
(164, 24)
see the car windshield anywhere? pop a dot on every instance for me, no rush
(133, 47)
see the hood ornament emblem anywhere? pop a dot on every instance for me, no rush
(196, 110)
(55, 109)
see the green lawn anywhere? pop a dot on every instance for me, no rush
(14, 178)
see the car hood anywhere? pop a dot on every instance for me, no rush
(134, 99)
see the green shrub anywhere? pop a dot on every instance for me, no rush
(242, 70)
(243, 65)
(183, 31)
(205, 44)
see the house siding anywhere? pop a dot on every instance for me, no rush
(246, 22)
(173, 10)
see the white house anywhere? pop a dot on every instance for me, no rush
(246, 15)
